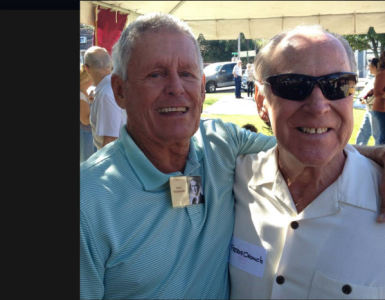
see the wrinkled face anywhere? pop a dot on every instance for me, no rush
(164, 92)
(316, 130)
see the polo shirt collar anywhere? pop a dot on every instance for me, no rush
(151, 178)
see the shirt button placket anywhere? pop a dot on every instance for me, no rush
(280, 279)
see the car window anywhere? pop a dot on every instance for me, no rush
(228, 68)
(211, 69)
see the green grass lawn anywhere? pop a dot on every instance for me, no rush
(260, 125)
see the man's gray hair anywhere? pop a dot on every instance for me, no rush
(153, 22)
(98, 58)
(262, 63)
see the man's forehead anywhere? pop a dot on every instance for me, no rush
(160, 48)
(160, 33)
(297, 42)
(300, 47)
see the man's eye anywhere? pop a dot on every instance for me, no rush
(157, 74)
(154, 75)
(186, 74)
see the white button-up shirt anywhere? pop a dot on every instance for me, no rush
(332, 249)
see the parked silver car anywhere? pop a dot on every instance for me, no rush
(219, 74)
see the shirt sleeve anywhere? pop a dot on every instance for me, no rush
(246, 141)
(237, 140)
(109, 116)
(91, 266)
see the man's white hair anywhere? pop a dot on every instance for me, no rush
(98, 58)
(153, 22)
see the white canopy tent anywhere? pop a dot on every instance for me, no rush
(224, 20)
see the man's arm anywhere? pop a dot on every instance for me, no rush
(377, 154)
(108, 139)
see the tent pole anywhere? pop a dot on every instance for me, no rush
(239, 46)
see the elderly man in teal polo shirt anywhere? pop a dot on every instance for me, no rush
(139, 235)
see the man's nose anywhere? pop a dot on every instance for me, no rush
(317, 103)
(174, 84)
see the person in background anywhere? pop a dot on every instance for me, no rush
(250, 80)
(250, 127)
(369, 126)
(305, 210)
(379, 97)
(127, 218)
(106, 117)
(237, 73)
(87, 147)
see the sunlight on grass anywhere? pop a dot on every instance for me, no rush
(212, 98)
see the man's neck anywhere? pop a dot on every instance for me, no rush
(306, 183)
(166, 157)
(98, 77)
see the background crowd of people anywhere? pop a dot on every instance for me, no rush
(373, 92)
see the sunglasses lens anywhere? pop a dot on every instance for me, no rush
(337, 87)
(290, 86)
(298, 87)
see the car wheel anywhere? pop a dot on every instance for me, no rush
(210, 87)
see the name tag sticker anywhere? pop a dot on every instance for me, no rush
(179, 191)
(247, 257)
(186, 190)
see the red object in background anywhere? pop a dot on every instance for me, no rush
(109, 26)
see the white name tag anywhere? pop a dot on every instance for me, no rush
(247, 257)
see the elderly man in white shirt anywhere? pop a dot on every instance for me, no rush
(106, 117)
(306, 228)
(237, 73)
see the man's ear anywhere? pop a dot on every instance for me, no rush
(260, 100)
(87, 68)
(117, 88)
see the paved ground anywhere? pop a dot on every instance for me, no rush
(229, 105)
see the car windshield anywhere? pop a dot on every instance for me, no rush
(212, 69)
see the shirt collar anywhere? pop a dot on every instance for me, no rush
(151, 178)
(103, 82)
(266, 172)
(355, 170)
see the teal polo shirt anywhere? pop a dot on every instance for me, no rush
(134, 244)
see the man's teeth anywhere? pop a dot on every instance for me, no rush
(170, 109)
(313, 130)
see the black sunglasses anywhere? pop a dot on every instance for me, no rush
(298, 87)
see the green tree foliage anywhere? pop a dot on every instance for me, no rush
(221, 50)
(371, 40)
